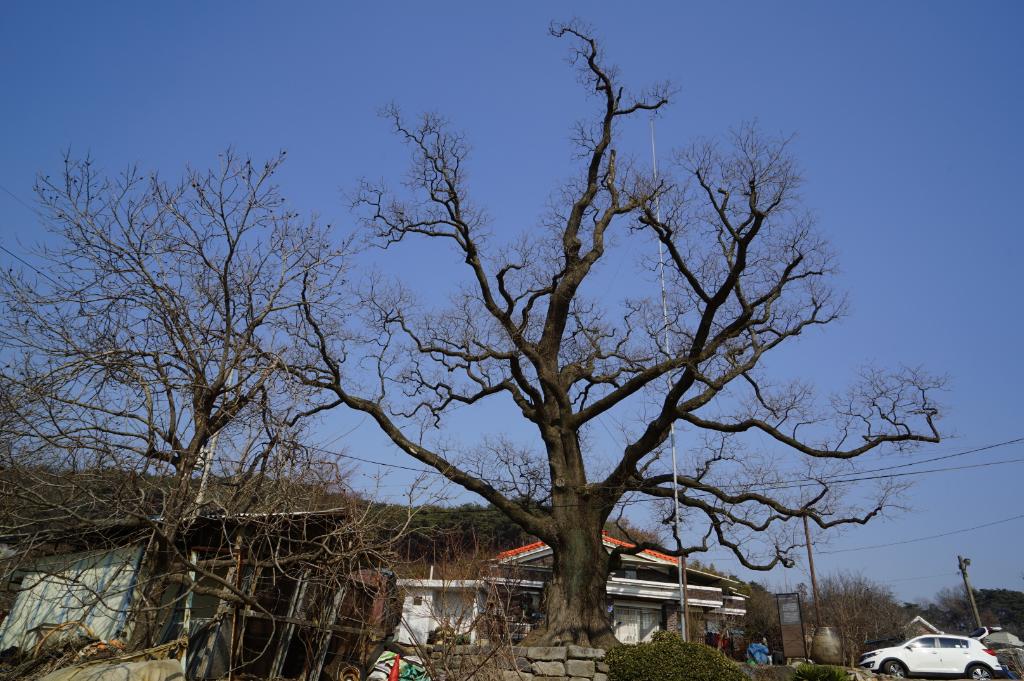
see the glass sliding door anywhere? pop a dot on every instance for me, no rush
(634, 624)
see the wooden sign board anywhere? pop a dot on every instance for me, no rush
(792, 623)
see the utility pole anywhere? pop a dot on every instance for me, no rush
(814, 578)
(964, 562)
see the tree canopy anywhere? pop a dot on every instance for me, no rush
(746, 271)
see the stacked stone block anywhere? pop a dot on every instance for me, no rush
(570, 663)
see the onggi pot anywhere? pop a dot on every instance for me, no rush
(825, 646)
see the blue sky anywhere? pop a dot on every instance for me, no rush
(906, 118)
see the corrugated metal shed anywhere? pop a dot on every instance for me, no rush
(94, 588)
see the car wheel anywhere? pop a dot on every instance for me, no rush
(894, 668)
(977, 671)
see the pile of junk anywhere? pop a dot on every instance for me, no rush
(1008, 647)
(72, 610)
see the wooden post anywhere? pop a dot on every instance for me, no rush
(186, 619)
(964, 562)
(232, 648)
(814, 578)
(321, 652)
(285, 640)
(220, 616)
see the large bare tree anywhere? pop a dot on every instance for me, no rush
(746, 272)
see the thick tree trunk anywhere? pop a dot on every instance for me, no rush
(575, 600)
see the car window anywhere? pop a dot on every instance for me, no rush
(927, 642)
(952, 643)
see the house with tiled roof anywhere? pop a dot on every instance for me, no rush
(643, 596)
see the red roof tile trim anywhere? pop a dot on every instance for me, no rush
(648, 552)
(522, 549)
(607, 539)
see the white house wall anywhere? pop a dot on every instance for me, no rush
(459, 603)
(417, 620)
(454, 605)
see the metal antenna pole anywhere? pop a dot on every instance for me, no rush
(666, 348)
(208, 451)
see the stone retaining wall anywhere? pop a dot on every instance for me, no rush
(571, 663)
(784, 673)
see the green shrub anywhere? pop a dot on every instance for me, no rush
(819, 672)
(668, 658)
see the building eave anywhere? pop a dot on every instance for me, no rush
(441, 583)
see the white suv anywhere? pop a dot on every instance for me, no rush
(935, 657)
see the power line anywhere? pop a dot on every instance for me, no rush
(895, 467)
(385, 464)
(837, 481)
(920, 539)
(840, 478)
(951, 456)
(781, 484)
(834, 551)
(919, 578)
(805, 482)
(17, 257)
(17, 198)
(648, 499)
(29, 265)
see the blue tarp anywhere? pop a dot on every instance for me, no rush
(758, 652)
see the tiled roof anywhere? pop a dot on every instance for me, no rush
(608, 540)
